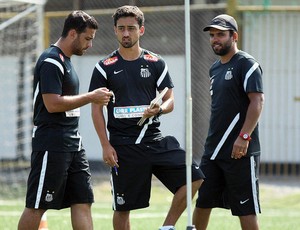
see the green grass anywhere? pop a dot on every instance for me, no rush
(280, 210)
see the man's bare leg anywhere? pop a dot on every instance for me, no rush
(249, 222)
(201, 218)
(121, 220)
(178, 204)
(30, 219)
(81, 217)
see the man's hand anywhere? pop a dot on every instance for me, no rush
(110, 156)
(149, 112)
(101, 96)
(240, 148)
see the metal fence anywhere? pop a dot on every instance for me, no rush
(269, 35)
(267, 31)
(165, 34)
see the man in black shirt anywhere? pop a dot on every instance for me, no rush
(60, 175)
(231, 155)
(139, 150)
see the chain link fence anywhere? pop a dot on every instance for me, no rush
(165, 35)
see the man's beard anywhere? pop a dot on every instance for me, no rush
(77, 48)
(223, 51)
(128, 44)
(78, 52)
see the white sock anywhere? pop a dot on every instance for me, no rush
(168, 227)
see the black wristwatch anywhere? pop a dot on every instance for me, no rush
(160, 111)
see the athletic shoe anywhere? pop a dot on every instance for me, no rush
(167, 228)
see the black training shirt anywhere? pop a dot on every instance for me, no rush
(230, 84)
(134, 84)
(54, 74)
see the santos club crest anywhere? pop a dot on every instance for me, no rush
(49, 196)
(145, 73)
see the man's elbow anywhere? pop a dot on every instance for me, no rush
(172, 108)
(52, 108)
(262, 100)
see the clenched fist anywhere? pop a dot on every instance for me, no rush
(101, 96)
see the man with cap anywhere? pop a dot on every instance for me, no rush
(230, 160)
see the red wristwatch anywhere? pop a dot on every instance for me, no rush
(245, 136)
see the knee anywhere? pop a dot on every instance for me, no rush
(34, 212)
(122, 214)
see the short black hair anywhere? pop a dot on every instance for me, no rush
(79, 21)
(129, 11)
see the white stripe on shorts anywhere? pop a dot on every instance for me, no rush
(41, 182)
(254, 187)
(112, 192)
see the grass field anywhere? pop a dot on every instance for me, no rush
(280, 211)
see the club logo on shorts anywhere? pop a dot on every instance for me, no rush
(49, 196)
(145, 73)
(120, 199)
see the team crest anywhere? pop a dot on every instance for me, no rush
(49, 196)
(110, 61)
(228, 75)
(120, 199)
(145, 73)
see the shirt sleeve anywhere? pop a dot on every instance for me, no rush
(252, 76)
(164, 79)
(51, 76)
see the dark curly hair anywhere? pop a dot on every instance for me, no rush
(129, 11)
(79, 21)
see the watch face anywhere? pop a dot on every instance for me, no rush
(245, 136)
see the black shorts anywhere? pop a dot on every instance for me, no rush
(58, 179)
(165, 159)
(230, 184)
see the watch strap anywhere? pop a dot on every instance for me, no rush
(245, 136)
(160, 112)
